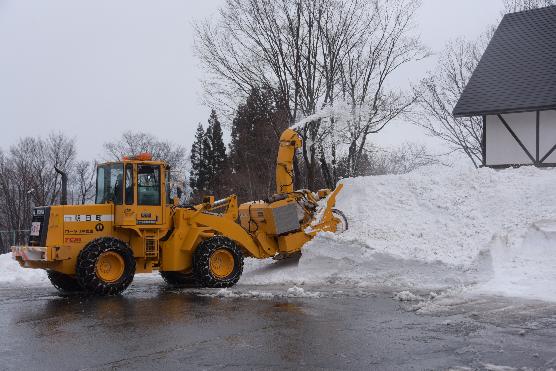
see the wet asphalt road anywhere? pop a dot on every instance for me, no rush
(153, 327)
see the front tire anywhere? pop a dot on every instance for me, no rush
(105, 266)
(63, 282)
(342, 224)
(218, 262)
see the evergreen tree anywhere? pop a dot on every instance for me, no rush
(198, 178)
(209, 161)
(254, 145)
(216, 156)
(208, 172)
(218, 149)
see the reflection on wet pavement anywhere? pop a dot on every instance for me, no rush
(156, 327)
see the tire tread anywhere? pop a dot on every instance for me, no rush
(201, 259)
(179, 279)
(86, 261)
(63, 282)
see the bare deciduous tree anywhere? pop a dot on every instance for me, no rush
(511, 6)
(132, 144)
(34, 160)
(404, 159)
(439, 93)
(83, 182)
(384, 45)
(28, 178)
(310, 53)
(379, 161)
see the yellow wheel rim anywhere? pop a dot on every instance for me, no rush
(110, 266)
(221, 263)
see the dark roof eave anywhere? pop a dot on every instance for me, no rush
(516, 72)
(503, 111)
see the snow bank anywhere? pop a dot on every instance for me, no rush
(11, 273)
(447, 215)
(527, 269)
(334, 260)
(292, 292)
(493, 231)
(408, 296)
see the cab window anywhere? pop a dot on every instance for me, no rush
(129, 184)
(110, 184)
(148, 185)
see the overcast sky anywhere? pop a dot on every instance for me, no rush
(93, 69)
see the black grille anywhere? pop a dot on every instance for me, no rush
(40, 215)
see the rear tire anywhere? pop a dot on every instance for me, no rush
(218, 262)
(63, 282)
(105, 266)
(179, 279)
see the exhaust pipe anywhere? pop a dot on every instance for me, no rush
(64, 198)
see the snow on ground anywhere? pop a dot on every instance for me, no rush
(479, 231)
(12, 273)
(527, 269)
(292, 292)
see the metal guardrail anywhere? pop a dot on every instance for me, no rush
(10, 238)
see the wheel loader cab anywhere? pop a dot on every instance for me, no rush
(138, 189)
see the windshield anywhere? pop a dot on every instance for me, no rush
(110, 184)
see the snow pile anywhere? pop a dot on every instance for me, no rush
(12, 273)
(437, 228)
(292, 292)
(446, 215)
(229, 293)
(333, 260)
(527, 269)
(408, 296)
(299, 292)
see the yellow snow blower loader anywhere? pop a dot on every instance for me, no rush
(134, 227)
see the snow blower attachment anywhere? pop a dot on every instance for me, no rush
(134, 227)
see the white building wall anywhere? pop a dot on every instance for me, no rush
(547, 135)
(501, 147)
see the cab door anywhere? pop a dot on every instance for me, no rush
(149, 194)
(125, 208)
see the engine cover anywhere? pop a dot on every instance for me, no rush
(276, 218)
